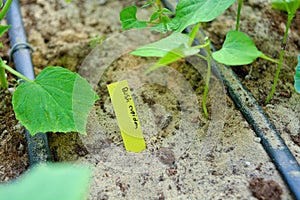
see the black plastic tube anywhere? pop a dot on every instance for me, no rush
(271, 140)
(38, 148)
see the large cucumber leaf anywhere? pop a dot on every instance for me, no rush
(189, 12)
(170, 49)
(172, 56)
(49, 182)
(238, 49)
(58, 101)
(162, 47)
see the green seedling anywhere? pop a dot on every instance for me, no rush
(159, 20)
(289, 6)
(58, 100)
(178, 45)
(97, 40)
(239, 49)
(297, 76)
(49, 181)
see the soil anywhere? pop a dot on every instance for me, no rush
(14, 158)
(262, 189)
(218, 158)
(13, 148)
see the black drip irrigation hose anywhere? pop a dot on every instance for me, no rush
(271, 140)
(38, 148)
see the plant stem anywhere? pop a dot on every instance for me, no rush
(282, 52)
(158, 3)
(193, 34)
(237, 26)
(204, 97)
(5, 9)
(269, 59)
(202, 57)
(201, 46)
(3, 80)
(8, 68)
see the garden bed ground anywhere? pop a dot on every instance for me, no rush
(230, 163)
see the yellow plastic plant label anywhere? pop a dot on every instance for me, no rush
(126, 116)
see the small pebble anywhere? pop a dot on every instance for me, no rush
(257, 139)
(247, 163)
(11, 90)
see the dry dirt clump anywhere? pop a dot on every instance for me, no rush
(265, 189)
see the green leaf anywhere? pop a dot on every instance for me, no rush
(297, 76)
(190, 12)
(3, 28)
(170, 49)
(129, 20)
(162, 47)
(148, 3)
(238, 49)
(167, 11)
(175, 54)
(289, 6)
(154, 16)
(164, 26)
(48, 182)
(57, 101)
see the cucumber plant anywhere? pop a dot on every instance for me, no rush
(238, 48)
(177, 45)
(58, 100)
(60, 181)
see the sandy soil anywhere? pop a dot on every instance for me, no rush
(219, 158)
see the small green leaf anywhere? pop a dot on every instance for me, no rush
(129, 20)
(48, 182)
(297, 76)
(164, 26)
(97, 40)
(167, 11)
(148, 3)
(172, 56)
(154, 16)
(162, 47)
(3, 28)
(190, 12)
(289, 6)
(57, 101)
(238, 49)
